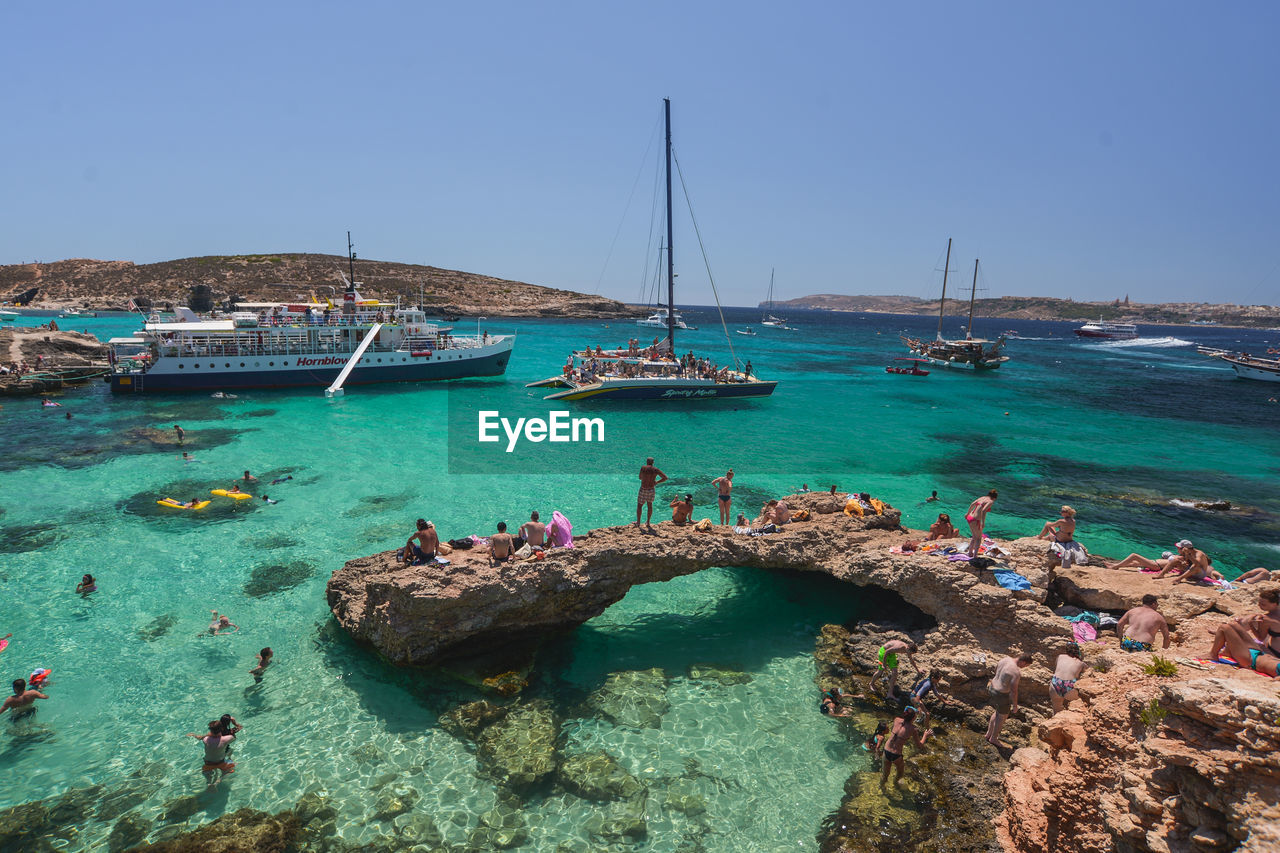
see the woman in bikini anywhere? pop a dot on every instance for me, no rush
(977, 518)
(1253, 641)
(942, 528)
(1064, 550)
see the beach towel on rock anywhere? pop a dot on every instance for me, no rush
(1010, 579)
(1084, 632)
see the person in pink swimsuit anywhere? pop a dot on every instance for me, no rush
(977, 518)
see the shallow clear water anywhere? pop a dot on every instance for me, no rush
(1115, 429)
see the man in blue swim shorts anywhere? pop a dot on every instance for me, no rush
(1137, 629)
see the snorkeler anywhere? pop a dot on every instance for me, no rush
(279, 480)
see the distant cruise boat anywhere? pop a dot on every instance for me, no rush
(1103, 329)
(658, 320)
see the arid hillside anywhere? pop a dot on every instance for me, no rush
(111, 284)
(1047, 308)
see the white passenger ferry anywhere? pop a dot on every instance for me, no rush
(290, 345)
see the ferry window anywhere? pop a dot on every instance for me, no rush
(179, 365)
(228, 365)
(379, 361)
(271, 364)
(285, 363)
(242, 364)
(196, 366)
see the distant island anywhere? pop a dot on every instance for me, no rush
(1048, 308)
(103, 285)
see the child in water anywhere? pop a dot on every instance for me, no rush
(875, 741)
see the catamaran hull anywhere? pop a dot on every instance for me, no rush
(667, 391)
(212, 375)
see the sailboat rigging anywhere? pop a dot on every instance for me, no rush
(654, 372)
(976, 353)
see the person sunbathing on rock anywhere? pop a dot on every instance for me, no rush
(1137, 629)
(1250, 637)
(501, 546)
(1168, 560)
(1255, 575)
(1196, 565)
(681, 510)
(942, 528)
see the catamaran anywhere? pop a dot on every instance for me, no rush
(976, 353)
(1111, 331)
(654, 372)
(283, 344)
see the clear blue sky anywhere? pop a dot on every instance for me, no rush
(1086, 150)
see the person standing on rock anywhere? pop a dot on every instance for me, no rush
(180, 433)
(1002, 691)
(1137, 629)
(977, 518)
(887, 658)
(724, 485)
(650, 478)
(1066, 672)
(903, 730)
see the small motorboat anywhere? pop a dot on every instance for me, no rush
(912, 369)
(747, 331)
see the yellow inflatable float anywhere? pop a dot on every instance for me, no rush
(223, 493)
(170, 502)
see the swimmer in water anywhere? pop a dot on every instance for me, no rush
(222, 625)
(249, 478)
(234, 490)
(217, 745)
(188, 458)
(23, 701)
(269, 500)
(87, 585)
(279, 480)
(264, 661)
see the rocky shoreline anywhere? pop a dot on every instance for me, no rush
(1195, 771)
(54, 359)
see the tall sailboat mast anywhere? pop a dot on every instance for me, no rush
(973, 292)
(943, 303)
(671, 264)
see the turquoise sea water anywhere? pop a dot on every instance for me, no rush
(1115, 429)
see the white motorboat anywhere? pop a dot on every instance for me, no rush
(1112, 331)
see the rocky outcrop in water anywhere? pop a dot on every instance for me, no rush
(1193, 771)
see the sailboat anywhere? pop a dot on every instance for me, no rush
(769, 319)
(976, 353)
(654, 372)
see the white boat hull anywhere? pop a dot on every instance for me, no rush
(1265, 371)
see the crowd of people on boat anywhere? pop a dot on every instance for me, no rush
(633, 361)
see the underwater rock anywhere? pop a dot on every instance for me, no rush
(597, 776)
(179, 810)
(128, 831)
(314, 806)
(501, 828)
(20, 538)
(157, 627)
(421, 830)
(271, 542)
(465, 722)
(620, 821)
(682, 796)
(635, 698)
(366, 753)
(277, 577)
(520, 749)
(378, 504)
(258, 413)
(132, 793)
(20, 823)
(243, 831)
(394, 803)
(720, 675)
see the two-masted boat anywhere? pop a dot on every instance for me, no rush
(971, 352)
(654, 372)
